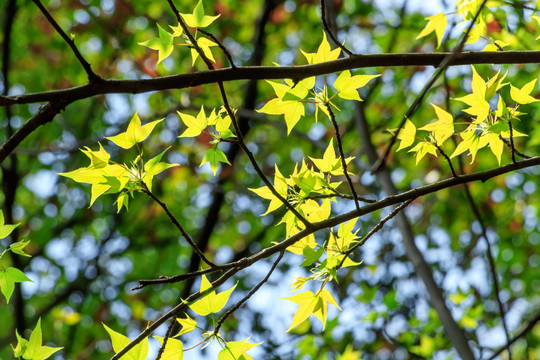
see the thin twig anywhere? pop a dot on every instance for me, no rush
(330, 33)
(522, 333)
(92, 77)
(512, 147)
(221, 46)
(441, 151)
(442, 68)
(339, 195)
(342, 155)
(178, 226)
(376, 228)
(249, 295)
(518, 153)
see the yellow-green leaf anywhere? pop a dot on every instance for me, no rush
(119, 341)
(174, 349)
(197, 19)
(188, 324)
(154, 167)
(324, 53)
(347, 85)
(34, 348)
(163, 44)
(214, 157)
(522, 96)
(407, 135)
(8, 278)
(211, 303)
(195, 125)
(435, 23)
(135, 133)
(443, 128)
(423, 148)
(236, 350)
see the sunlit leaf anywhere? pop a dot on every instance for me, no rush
(435, 23)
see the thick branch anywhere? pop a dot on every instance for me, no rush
(272, 72)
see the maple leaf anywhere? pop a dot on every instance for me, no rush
(197, 19)
(195, 125)
(435, 23)
(205, 45)
(32, 349)
(330, 163)
(479, 107)
(135, 133)
(163, 44)
(407, 135)
(188, 324)
(119, 341)
(324, 53)
(423, 148)
(311, 304)
(8, 278)
(347, 85)
(236, 350)
(280, 184)
(212, 302)
(5, 229)
(214, 157)
(153, 167)
(472, 142)
(522, 96)
(174, 349)
(443, 128)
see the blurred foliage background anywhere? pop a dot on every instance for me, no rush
(86, 260)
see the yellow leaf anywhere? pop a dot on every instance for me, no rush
(135, 133)
(211, 303)
(174, 349)
(195, 125)
(443, 128)
(407, 135)
(197, 19)
(423, 148)
(324, 53)
(347, 85)
(478, 106)
(435, 23)
(188, 324)
(522, 96)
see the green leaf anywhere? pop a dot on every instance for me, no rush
(21, 346)
(236, 350)
(34, 350)
(174, 349)
(119, 341)
(188, 325)
(435, 23)
(211, 303)
(8, 278)
(347, 85)
(163, 44)
(154, 167)
(17, 248)
(197, 19)
(310, 256)
(214, 157)
(135, 133)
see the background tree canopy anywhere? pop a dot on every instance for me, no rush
(276, 179)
